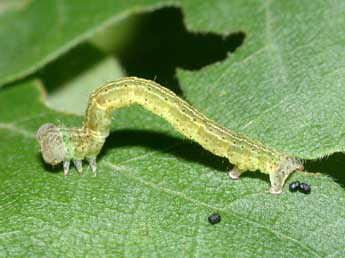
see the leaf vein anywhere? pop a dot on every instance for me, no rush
(166, 190)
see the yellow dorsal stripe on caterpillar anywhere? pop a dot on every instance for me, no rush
(65, 144)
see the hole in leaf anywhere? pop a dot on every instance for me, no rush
(160, 43)
(149, 45)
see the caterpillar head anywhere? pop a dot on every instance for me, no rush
(51, 144)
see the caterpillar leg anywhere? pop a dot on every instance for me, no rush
(279, 176)
(93, 166)
(79, 165)
(235, 172)
(66, 167)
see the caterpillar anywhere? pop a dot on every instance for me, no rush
(75, 144)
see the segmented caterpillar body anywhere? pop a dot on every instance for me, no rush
(65, 144)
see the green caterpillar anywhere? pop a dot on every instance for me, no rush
(66, 144)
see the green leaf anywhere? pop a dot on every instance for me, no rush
(73, 77)
(285, 85)
(155, 189)
(152, 196)
(35, 32)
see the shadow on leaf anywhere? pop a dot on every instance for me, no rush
(178, 147)
(332, 166)
(157, 141)
(69, 66)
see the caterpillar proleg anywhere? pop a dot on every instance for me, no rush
(66, 144)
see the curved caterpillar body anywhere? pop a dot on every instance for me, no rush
(66, 144)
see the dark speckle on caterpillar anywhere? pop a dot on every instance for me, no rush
(66, 144)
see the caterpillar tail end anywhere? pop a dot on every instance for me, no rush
(279, 176)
